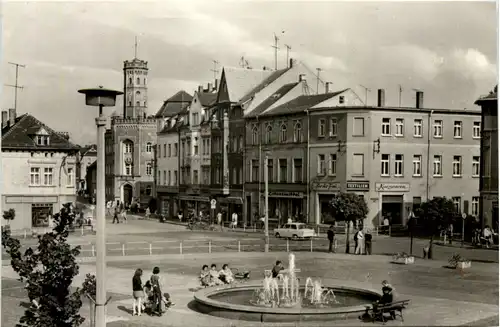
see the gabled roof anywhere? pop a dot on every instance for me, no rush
(241, 81)
(174, 104)
(20, 136)
(207, 99)
(272, 99)
(271, 78)
(301, 103)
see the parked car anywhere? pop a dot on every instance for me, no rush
(294, 231)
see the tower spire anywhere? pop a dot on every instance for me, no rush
(135, 48)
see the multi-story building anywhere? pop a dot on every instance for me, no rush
(488, 185)
(394, 157)
(86, 156)
(131, 140)
(38, 165)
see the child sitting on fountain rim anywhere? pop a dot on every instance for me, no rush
(277, 269)
(226, 275)
(214, 275)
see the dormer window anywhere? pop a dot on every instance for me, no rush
(42, 140)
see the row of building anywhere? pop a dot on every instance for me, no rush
(216, 143)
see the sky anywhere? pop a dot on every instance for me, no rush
(446, 49)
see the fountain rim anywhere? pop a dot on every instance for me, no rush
(203, 296)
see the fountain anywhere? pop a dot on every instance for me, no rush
(270, 301)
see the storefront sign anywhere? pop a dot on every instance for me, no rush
(286, 194)
(326, 186)
(358, 186)
(194, 198)
(490, 197)
(392, 187)
(231, 200)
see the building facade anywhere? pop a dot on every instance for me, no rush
(488, 186)
(38, 165)
(396, 158)
(85, 157)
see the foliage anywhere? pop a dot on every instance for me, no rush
(348, 207)
(9, 214)
(48, 271)
(401, 255)
(89, 286)
(455, 259)
(438, 213)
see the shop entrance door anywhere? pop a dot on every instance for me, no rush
(392, 208)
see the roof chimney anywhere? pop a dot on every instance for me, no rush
(209, 87)
(327, 87)
(380, 98)
(5, 118)
(302, 77)
(420, 100)
(200, 89)
(12, 117)
(291, 62)
(216, 84)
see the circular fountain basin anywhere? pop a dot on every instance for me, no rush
(233, 302)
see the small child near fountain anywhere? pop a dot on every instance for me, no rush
(205, 276)
(277, 269)
(214, 276)
(226, 275)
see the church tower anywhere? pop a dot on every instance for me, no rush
(135, 86)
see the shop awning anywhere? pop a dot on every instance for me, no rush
(231, 200)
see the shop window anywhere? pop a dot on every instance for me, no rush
(40, 214)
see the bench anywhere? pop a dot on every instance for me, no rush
(396, 307)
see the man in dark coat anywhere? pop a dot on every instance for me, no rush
(331, 237)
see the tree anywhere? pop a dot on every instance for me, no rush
(348, 207)
(48, 271)
(437, 214)
(89, 289)
(9, 215)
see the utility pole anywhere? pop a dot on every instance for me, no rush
(400, 93)
(366, 93)
(288, 48)
(215, 70)
(317, 80)
(266, 203)
(16, 86)
(275, 46)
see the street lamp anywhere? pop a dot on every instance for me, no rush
(266, 203)
(100, 97)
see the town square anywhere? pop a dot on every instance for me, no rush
(195, 163)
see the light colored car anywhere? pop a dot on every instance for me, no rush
(294, 231)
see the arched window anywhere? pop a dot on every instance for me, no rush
(149, 147)
(297, 133)
(144, 80)
(130, 80)
(241, 142)
(138, 80)
(283, 134)
(128, 169)
(255, 136)
(269, 132)
(128, 146)
(137, 94)
(149, 169)
(138, 103)
(149, 190)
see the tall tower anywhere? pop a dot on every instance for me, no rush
(135, 87)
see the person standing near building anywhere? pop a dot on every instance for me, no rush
(219, 220)
(123, 211)
(109, 205)
(368, 242)
(360, 242)
(117, 212)
(234, 220)
(331, 237)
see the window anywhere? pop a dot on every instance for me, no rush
(149, 169)
(196, 149)
(475, 206)
(165, 180)
(42, 140)
(321, 164)
(283, 163)
(47, 176)
(255, 136)
(297, 133)
(333, 127)
(269, 133)
(138, 80)
(475, 166)
(149, 147)
(358, 164)
(169, 150)
(270, 170)
(70, 179)
(240, 141)
(195, 176)
(384, 165)
(130, 80)
(176, 178)
(297, 170)
(457, 202)
(398, 165)
(175, 149)
(195, 119)
(457, 166)
(417, 128)
(417, 165)
(332, 170)
(438, 128)
(128, 147)
(400, 127)
(437, 168)
(138, 103)
(35, 176)
(128, 169)
(386, 126)
(283, 134)
(321, 127)
(164, 150)
(476, 129)
(255, 171)
(359, 126)
(457, 129)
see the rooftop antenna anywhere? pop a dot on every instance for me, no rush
(400, 93)
(135, 48)
(288, 48)
(366, 93)
(16, 86)
(275, 46)
(244, 63)
(317, 79)
(215, 70)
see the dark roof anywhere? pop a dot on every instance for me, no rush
(301, 103)
(207, 99)
(20, 136)
(174, 104)
(272, 99)
(493, 96)
(271, 78)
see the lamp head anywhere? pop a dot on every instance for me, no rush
(100, 96)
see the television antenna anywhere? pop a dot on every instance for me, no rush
(288, 48)
(16, 86)
(215, 70)
(317, 79)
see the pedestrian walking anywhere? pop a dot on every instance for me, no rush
(117, 212)
(157, 294)
(360, 242)
(179, 215)
(123, 211)
(331, 237)
(137, 293)
(109, 206)
(219, 220)
(234, 220)
(368, 242)
(148, 212)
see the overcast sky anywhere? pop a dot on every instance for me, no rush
(446, 49)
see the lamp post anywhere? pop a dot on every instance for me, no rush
(100, 97)
(266, 203)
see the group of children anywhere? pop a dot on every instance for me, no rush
(150, 296)
(214, 277)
